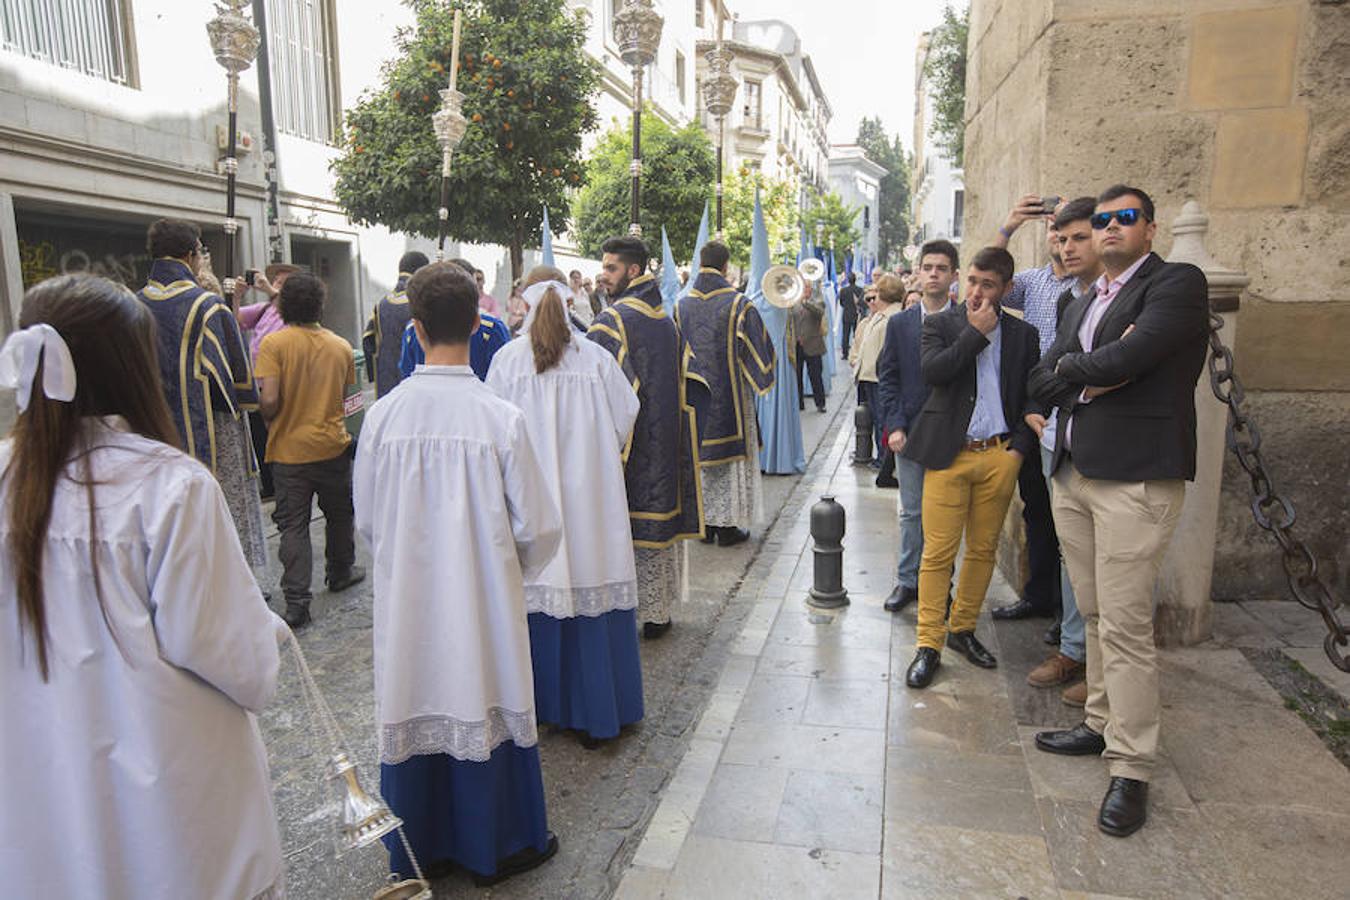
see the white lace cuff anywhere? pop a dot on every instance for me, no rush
(566, 603)
(463, 740)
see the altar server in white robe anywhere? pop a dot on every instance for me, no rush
(452, 501)
(579, 412)
(134, 643)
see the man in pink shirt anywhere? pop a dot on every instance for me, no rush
(260, 320)
(1122, 374)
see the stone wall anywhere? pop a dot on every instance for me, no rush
(1243, 105)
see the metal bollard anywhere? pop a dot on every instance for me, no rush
(862, 436)
(827, 528)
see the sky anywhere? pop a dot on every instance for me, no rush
(863, 51)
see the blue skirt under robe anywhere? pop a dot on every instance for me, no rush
(587, 672)
(472, 814)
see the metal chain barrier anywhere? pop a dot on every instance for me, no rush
(1272, 511)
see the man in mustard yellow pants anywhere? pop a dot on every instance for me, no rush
(971, 438)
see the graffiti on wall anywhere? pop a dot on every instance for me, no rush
(43, 259)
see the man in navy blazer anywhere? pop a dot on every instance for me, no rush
(901, 393)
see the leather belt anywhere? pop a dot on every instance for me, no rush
(997, 441)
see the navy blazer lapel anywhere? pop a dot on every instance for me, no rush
(1126, 296)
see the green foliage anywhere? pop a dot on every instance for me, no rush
(829, 210)
(778, 198)
(678, 173)
(946, 73)
(527, 88)
(893, 216)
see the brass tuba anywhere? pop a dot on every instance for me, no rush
(784, 285)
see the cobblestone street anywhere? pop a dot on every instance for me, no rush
(782, 755)
(598, 801)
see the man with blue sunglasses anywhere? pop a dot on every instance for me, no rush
(1122, 374)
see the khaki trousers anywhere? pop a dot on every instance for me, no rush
(968, 497)
(1113, 534)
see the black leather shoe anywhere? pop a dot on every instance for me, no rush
(653, 630)
(1053, 634)
(517, 863)
(1079, 740)
(730, 536)
(966, 643)
(297, 614)
(900, 598)
(1124, 808)
(924, 667)
(887, 481)
(709, 536)
(1022, 609)
(354, 575)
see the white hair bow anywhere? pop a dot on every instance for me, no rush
(535, 292)
(19, 361)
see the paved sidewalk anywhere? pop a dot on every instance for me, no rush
(814, 771)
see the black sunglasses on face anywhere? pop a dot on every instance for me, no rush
(1126, 217)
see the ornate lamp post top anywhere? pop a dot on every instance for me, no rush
(637, 28)
(719, 87)
(234, 40)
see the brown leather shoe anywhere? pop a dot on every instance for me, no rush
(1075, 695)
(1058, 669)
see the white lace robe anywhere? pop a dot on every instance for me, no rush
(579, 415)
(136, 770)
(452, 501)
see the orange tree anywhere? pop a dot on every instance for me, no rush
(527, 88)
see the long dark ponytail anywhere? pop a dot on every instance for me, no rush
(111, 337)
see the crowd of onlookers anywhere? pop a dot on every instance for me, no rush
(1071, 383)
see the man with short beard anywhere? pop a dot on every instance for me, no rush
(665, 493)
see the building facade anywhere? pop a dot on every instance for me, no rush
(777, 124)
(112, 114)
(1241, 106)
(96, 144)
(857, 181)
(939, 184)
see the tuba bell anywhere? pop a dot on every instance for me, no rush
(783, 286)
(813, 270)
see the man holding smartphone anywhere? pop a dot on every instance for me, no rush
(260, 320)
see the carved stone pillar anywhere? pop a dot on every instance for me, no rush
(1183, 614)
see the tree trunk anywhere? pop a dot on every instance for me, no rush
(517, 254)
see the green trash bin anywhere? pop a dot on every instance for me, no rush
(354, 401)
